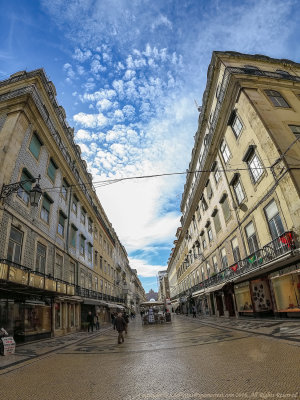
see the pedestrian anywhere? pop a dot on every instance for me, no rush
(126, 319)
(96, 322)
(194, 310)
(112, 317)
(90, 321)
(120, 326)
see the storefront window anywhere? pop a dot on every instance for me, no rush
(261, 295)
(287, 292)
(72, 315)
(243, 297)
(57, 315)
(37, 319)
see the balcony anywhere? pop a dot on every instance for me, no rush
(16, 276)
(271, 253)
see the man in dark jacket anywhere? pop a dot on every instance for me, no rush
(120, 326)
(90, 321)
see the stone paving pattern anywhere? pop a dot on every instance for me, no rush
(203, 358)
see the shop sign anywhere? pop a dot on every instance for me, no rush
(9, 345)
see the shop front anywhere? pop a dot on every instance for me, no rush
(26, 319)
(285, 285)
(243, 299)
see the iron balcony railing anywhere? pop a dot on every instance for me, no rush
(19, 274)
(278, 247)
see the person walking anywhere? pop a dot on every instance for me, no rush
(120, 326)
(90, 321)
(194, 310)
(126, 319)
(96, 322)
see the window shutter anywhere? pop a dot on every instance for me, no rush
(271, 210)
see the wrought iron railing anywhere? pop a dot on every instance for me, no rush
(19, 274)
(278, 247)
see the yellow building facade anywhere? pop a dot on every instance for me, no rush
(237, 252)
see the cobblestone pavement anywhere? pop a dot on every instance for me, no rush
(187, 359)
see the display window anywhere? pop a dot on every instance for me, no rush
(243, 298)
(37, 319)
(57, 315)
(286, 290)
(261, 296)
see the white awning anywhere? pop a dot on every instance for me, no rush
(215, 288)
(198, 293)
(94, 302)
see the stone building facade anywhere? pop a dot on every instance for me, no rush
(237, 250)
(58, 260)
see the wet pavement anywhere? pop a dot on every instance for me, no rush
(202, 358)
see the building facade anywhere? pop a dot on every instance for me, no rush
(237, 250)
(61, 259)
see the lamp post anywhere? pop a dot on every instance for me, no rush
(35, 193)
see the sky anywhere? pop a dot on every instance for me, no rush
(129, 74)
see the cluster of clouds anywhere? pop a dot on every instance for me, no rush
(135, 71)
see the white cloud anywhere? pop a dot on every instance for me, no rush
(99, 95)
(81, 55)
(145, 270)
(90, 120)
(97, 67)
(104, 104)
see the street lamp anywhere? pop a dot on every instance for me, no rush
(35, 193)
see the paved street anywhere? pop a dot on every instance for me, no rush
(188, 359)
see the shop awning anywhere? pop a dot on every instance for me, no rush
(111, 305)
(120, 307)
(94, 302)
(198, 293)
(175, 304)
(215, 288)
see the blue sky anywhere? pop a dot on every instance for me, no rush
(127, 73)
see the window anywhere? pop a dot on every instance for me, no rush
(274, 220)
(235, 249)
(237, 126)
(90, 252)
(51, 170)
(45, 211)
(216, 219)
(209, 190)
(58, 315)
(101, 262)
(74, 205)
(217, 174)
(296, 130)
(238, 190)
(210, 234)
(58, 266)
(35, 146)
(224, 260)
(251, 238)
(82, 245)
(15, 245)
(255, 167)
(282, 72)
(82, 278)
(225, 152)
(64, 189)
(40, 261)
(72, 273)
(90, 225)
(276, 98)
(204, 204)
(83, 216)
(208, 269)
(61, 223)
(204, 244)
(23, 191)
(215, 264)
(225, 206)
(96, 257)
(96, 284)
(73, 235)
